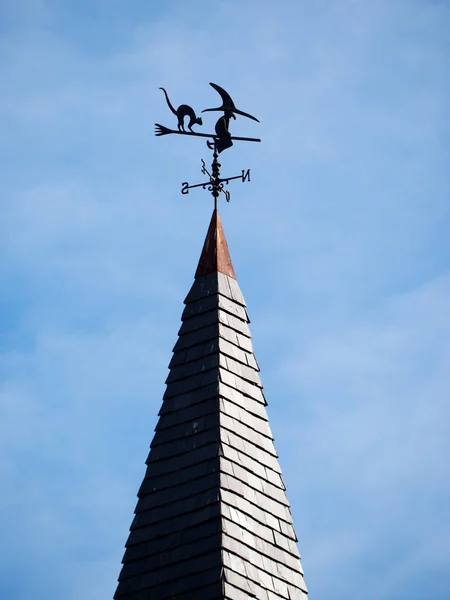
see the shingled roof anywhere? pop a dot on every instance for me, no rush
(212, 520)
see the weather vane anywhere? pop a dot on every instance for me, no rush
(218, 141)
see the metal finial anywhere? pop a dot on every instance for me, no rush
(216, 184)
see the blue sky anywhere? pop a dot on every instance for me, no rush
(340, 244)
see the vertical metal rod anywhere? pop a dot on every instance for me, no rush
(215, 169)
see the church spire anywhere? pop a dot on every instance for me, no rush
(212, 520)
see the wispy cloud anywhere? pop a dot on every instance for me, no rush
(340, 245)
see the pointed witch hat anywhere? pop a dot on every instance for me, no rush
(227, 104)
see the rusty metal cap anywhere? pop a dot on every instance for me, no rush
(215, 256)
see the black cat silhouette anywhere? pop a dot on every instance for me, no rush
(184, 110)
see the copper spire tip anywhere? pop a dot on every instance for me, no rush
(215, 256)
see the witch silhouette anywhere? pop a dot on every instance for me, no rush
(223, 139)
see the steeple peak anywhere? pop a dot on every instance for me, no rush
(215, 256)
